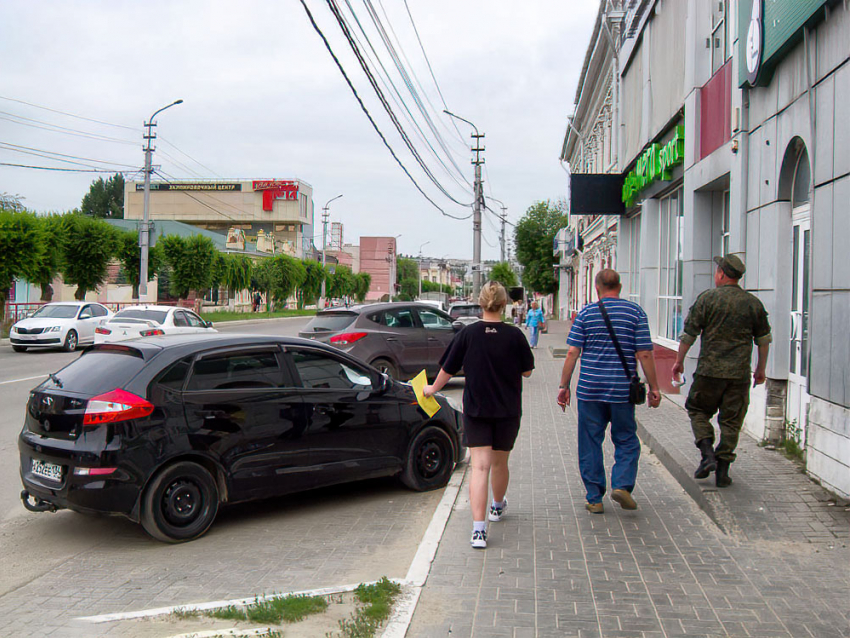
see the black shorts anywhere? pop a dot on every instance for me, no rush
(498, 433)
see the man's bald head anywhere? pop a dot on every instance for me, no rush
(608, 280)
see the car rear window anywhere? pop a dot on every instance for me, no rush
(465, 311)
(331, 321)
(98, 371)
(148, 315)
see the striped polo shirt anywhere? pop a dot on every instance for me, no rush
(602, 377)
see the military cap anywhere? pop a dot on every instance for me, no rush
(731, 265)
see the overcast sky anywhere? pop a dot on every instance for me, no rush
(264, 99)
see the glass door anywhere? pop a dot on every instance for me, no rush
(798, 397)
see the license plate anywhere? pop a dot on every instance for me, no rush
(47, 470)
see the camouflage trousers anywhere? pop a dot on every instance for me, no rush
(731, 397)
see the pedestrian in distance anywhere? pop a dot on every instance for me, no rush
(609, 337)
(494, 356)
(728, 320)
(535, 321)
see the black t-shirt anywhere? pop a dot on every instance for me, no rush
(493, 355)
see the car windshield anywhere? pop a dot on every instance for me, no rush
(157, 316)
(330, 321)
(56, 312)
(465, 311)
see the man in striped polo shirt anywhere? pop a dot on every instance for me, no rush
(603, 389)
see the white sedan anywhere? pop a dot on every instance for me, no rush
(149, 321)
(64, 325)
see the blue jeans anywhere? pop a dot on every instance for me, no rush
(533, 333)
(593, 420)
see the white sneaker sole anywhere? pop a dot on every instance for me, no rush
(479, 544)
(495, 518)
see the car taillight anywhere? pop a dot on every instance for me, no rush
(118, 405)
(103, 331)
(347, 338)
(152, 333)
(94, 471)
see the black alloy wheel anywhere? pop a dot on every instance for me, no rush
(430, 460)
(386, 367)
(180, 504)
(71, 341)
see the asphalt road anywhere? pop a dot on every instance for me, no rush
(49, 548)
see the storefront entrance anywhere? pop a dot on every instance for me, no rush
(798, 396)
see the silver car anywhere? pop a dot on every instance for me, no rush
(399, 339)
(466, 313)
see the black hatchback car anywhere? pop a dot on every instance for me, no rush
(164, 430)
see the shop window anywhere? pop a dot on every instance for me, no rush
(670, 319)
(634, 259)
(720, 46)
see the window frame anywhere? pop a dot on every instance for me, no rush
(720, 27)
(285, 373)
(438, 313)
(665, 265)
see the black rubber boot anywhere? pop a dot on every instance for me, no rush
(721, 477)
(708, 463)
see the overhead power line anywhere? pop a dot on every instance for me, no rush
(369, 116)
(79, 117)
(64, 170)
(49, 154)
(53, 128)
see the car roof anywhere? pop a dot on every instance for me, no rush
(148, 307)
(384, 305)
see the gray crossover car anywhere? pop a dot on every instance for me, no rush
(399, 339)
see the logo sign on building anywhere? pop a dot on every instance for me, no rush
(655, 163)
(769, 30)
(200, 186)
(276, 189)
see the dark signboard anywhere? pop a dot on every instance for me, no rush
(596, 194)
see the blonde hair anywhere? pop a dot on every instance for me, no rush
(493, 297)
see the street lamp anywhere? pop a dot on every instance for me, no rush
(325, 217)
(144, 231)
(477, 202)
(419, 268)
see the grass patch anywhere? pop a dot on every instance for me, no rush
(276, 610)
(793, 450)
(227, 315)
(377, 602)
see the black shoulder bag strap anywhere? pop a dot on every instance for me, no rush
(637, 391)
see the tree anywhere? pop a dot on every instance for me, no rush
(341, 283)
(88, 246)
(504, 274)
(130, 255)
(237, 273)
(105, 198)
(21, 249)
(311, 287)
(407, 278)
(279, 277)
(192, 261)
(363, 282)
(50, 264)
(534, 236)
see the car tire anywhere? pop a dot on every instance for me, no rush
(430, 460)
(19, 348)
(387, 367)
(71, 341)
(180, 503)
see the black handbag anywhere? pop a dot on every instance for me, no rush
(637, 389)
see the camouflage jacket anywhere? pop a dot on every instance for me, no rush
(729, 320)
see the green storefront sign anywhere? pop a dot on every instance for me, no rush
(767, 30)
(654, 164)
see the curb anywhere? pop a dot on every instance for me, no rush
(682, 476)
(243, 322)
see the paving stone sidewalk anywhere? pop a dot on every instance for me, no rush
(552, 569)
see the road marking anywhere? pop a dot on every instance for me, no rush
(41, 376)
(397, 624)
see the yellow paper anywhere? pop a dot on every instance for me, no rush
(429, 404)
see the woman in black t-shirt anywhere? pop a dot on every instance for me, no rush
(494, 356)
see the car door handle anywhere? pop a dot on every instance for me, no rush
(325, 409)
(392, 339)
(433, 339)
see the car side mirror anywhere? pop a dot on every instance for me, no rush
(85, 315)
(384, 383)
(457, 325)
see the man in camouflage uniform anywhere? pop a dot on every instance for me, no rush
(728, 320)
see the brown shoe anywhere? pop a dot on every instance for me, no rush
(624, 499)
(594, 508)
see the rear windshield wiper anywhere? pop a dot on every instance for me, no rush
(55, 379)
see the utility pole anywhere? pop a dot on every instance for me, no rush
(477, 205)
(144, 230)
(325, 217)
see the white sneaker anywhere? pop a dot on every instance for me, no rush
(496, 513)
(479, 539)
